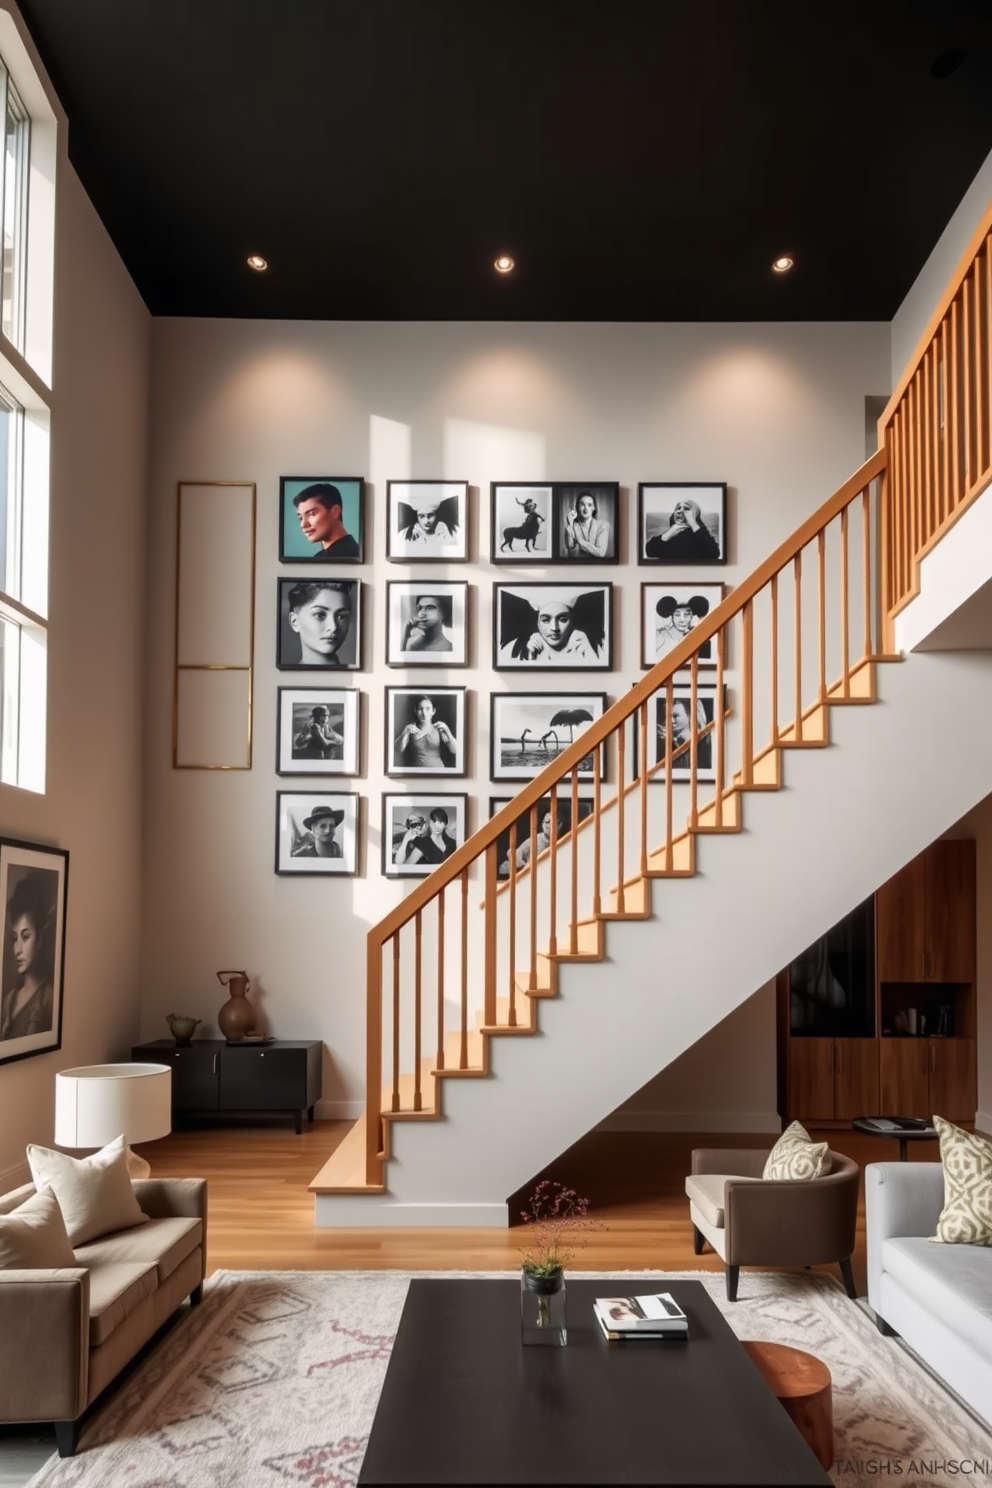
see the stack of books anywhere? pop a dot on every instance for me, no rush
(656, 1316)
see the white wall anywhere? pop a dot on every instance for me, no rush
(96, 662)
(776, 410)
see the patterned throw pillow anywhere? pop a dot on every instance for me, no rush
(966, 1218)
(796, 1156)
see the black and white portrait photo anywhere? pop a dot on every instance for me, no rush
(427, 520)
(522, 530)
(553, 627)
(426, 624)
(669, 612)
(585, 522)
(533, 831)
(318, 729)
(425, 731)
(316, 832)
(419, 832)
(530, 729)
(682, 524)
(689, 737)
(319, 624)
(33, 891)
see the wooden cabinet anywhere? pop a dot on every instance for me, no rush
(925, 917)
(833, 1079)
(927, 1076)
(210, 1076)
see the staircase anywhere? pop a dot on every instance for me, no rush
(507, 1015)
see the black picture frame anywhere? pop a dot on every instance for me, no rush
(309, 744)
(553, 627)
(426, 623)
(426, 521)
(415, 839)
(702, 540)
(292, 634)
(316, 494)
(706, 694)
(304, 816)
(515, 715)
(670, 612)
(33, 890)
(523, 821)
(531, 522)
(435, 755)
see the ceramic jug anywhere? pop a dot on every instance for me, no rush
(237, 1016)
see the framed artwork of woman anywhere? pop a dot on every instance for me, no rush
(425, 731)
(682, 523)
(33, 883)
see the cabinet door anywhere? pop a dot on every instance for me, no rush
(855, 1077)
(811, 1079)
(950, 892)
(900, 923)
(263, 1079)
(194, 1078)
(953, 1078)
(904, 1074)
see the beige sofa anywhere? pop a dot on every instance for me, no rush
(66, 1334)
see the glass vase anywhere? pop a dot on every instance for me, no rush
(542, 1310)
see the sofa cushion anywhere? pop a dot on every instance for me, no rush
(116, 1289)
(163, 1243)
(34, 1237)
(952, 1282)
(966, 1218)
(795, 1155)
(94, 1193)
(706, 1190)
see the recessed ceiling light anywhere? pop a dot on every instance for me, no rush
(257, 262)
(782, 265)
(504, 264)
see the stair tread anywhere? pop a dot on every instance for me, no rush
(344, 1170)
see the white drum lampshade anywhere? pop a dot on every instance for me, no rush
(98, 1102)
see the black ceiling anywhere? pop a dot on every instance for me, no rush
(641, 159)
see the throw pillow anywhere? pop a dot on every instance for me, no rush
(33, 1237)
(966, 1218)
(795, 1155)
(94, 1193)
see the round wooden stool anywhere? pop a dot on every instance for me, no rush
(802, 1383)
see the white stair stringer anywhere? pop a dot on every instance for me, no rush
(895, 776)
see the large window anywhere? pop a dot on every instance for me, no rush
(17, 138)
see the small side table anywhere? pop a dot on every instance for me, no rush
(801, 1383)
(902, 1128)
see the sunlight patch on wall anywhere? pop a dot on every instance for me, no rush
(389, 454)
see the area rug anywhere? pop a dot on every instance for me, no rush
(273, 1381)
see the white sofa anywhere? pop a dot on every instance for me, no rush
(937, 1297)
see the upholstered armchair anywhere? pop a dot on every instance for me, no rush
(751, 1221)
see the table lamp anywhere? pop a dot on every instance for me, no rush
(98, 1102)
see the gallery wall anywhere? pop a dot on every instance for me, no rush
(775, 411)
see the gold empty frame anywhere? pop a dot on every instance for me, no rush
(215, 625)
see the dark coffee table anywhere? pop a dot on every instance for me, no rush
(464, 1402)
(902, 1129)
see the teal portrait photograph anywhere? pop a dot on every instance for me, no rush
(321, 518)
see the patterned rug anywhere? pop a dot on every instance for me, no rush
(273, 1383)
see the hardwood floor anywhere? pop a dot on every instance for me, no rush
(261, 1213)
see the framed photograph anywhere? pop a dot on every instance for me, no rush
(530, 729)
(320, 518)
(585, 517)
(426, 624)
(33, 882)
(563, 816)
(522, 526)
(682, 523)
(319, 624)
(560, 628)
(316, 832)
(425, 731)
(427, 520)
(681, 733)
(418, 832)
(317, 730)
(669, 612)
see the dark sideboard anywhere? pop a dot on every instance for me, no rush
(211, 1077)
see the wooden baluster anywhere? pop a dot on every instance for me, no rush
(947, 499)
(915, 475)
(513, 926)
(954, 410)
(986, 399)
(895, 511)
(927, 417)
(374, 1134)
(981, 366)
(719, 724)
(821, 612)
(553, 884)
(621, 812)
(642, 759)
(967, 320)
(463, 1043)
(597, 836)
(669, 794)
(694, 740)
(773, 678)
(489, 980)
(395, 1097)
(573, 916)
(797, 566)
(845, 621)
(866, 568)
(532, 974)
(747, 694)
(418, 1099)
(439, 1058)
